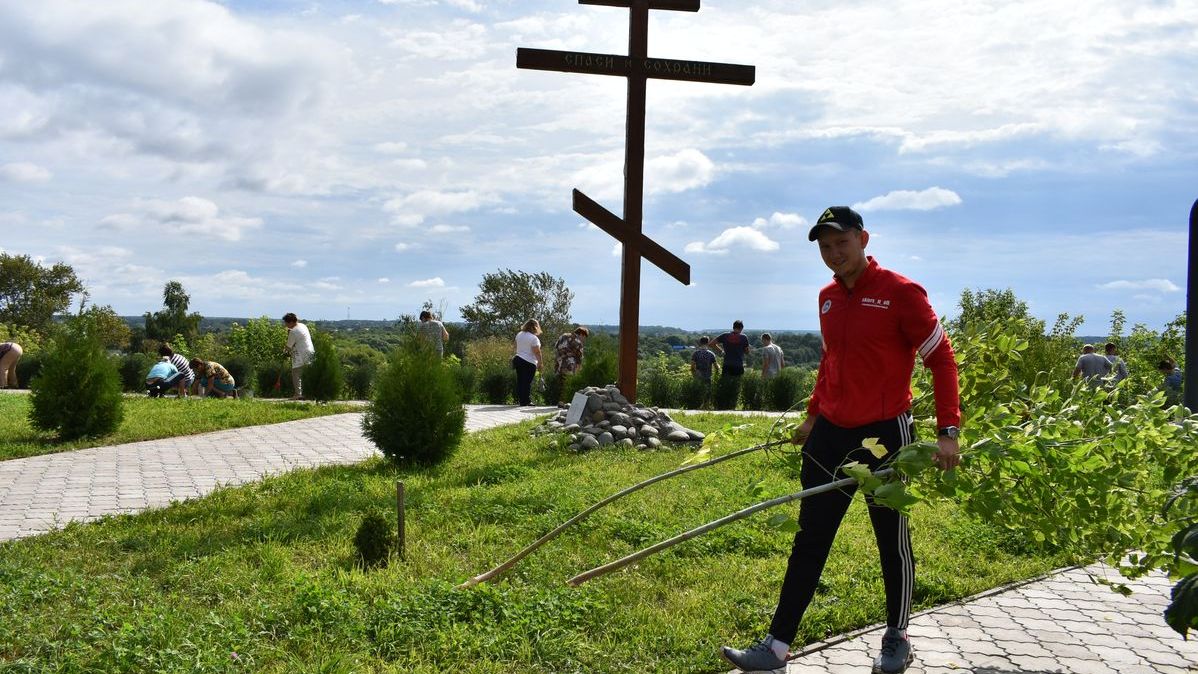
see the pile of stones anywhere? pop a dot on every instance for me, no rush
(609, 419)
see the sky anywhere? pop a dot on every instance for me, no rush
(357, 158)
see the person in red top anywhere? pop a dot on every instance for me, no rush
(874, 322)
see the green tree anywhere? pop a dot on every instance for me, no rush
(506, 299)
(173, 319)
(31, 294)
(323, 378)
(112, 330)
(78, 390)
(260, 342)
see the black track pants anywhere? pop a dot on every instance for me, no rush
(525, 373)
(828, 447)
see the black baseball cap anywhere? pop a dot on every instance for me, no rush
(840, 218)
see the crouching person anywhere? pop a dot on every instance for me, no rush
(212, 379)
(163, 376)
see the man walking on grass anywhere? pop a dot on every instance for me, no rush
(873, 323)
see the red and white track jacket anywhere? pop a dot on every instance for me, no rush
(871, 335)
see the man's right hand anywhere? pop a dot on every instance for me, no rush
(801, 433)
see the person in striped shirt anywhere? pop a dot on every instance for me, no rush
(181, 364)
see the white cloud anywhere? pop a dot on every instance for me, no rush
(24, 172)
(299, 264)
(384, 280)
(392, 147)
(189, 215)
(448, 229)
(679, 172)
(733, 238)
(412, 209)
(435, 282)
(908, 200)
(781, 221)
(1158, 284)
(617, 249)
(401, 247)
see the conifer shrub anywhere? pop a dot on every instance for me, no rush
(77, 393)
(694, 393)
(467, 378)
(133, 368)
(415, 416)
(374, 540)
(554, 389)
(751, 385)
(323, 378)
(726, 392)
(787, 389)
(27, 368)
(269, 374)
(660, 388)
(498, 385)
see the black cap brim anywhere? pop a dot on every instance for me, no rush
(831, 224)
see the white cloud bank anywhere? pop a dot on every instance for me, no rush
(23, 172)
(189, 215)
(908, 200)
(435, 282)
(1158, 284)
(735, 238)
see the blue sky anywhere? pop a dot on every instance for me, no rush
(325, 157)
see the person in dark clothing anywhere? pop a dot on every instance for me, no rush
(733, 346)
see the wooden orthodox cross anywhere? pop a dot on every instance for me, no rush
(638, 68)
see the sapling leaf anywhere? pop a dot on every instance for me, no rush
(915, 458)
(785, 523)
(756, 488)
(894, 494)
(875, 447)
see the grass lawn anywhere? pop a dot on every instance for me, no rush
(150, 419)
(262, 577)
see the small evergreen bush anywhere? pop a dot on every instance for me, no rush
(554, 388)
(787, 389)
(78, 390)
(361, 365)
(374, 540)
(726, 392)
(28, 368)
(467, 378)
(660, 389)
(265, 377)
(415, 416)
(240, 369)
(694, 393)
(323, 378)
(498, 385)
(133, 368)
(751, 387)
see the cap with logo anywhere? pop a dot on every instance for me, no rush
(840, 218)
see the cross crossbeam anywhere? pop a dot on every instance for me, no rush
(637, 68)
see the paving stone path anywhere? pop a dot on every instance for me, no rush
(40, 493)
(1062, 624)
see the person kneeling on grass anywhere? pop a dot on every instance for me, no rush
(213, 379)
(164, 375)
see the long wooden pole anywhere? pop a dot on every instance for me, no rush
(634, 192)
(739, 515)
(507, 565)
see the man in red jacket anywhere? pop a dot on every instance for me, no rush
(873, 323)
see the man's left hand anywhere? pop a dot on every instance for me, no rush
(949, 454)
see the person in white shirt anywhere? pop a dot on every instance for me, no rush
(299, 347)
(771, 357)
(527, 360)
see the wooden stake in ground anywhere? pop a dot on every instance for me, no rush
(400, 526)
(638, 68)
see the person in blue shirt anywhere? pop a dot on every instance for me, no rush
(164, 375)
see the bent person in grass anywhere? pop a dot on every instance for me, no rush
(212, 379)
(873, 323)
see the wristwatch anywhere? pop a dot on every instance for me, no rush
(950, 432)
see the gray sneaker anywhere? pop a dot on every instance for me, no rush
(756, 659)
(896, 653)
